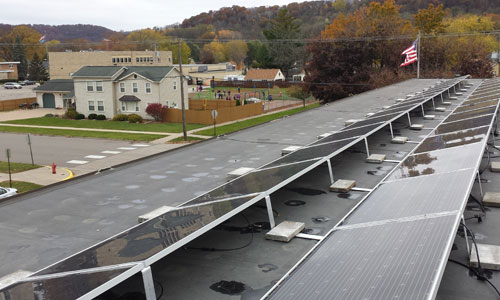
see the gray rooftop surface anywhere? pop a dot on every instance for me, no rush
(57, 85)
(43, 227)
(97, 71)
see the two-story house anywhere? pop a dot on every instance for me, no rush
(111, 90)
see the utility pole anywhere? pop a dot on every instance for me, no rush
(182, 94)
(418, 56)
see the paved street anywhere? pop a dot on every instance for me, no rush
(44, 227)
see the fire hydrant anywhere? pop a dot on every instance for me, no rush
(53, 168)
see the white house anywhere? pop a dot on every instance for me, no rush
(111, 90)
(57, 93)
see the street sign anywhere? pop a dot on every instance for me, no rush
(214, 114)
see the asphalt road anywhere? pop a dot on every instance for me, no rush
(43, 227)
(52, 149)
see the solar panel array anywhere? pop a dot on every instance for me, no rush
(395, 245)
(148, 242)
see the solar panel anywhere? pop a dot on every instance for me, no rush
(146, 239)
(439, 161)
(390, 261)
(464, 124)
(346, 133)
(471, 114)
(398, 109)
(455, 139)
(415, 196)
(476, 106)
(254, 182)
(318, 151)
(483, 99)
(71, 286)
(374, 120)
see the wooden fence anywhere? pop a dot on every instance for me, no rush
(14, 104)
(257, 84)
(225, 114)
(210, 104)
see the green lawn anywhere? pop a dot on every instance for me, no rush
(80, 133)
(152, 127)
(16, 167)
(190, 139)
(21, 186)
(275, 92)
(251, 122)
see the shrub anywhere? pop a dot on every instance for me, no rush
(49, 116)
(134, 118)
(238, 103)
(120, 117)
(92, 116)
(80, 117)
(156, 111)
(70, 113)
(100, 117)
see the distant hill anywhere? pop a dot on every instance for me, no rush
(313, 15)
(91, 33)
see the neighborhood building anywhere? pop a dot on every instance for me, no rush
(8, 70)
(111, 90)
(265, 75)
(64, 64)
(57, 93)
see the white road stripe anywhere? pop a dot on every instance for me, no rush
(111, 152)
(126, 148)
(140, 145)
(95, 156)
(77, 162)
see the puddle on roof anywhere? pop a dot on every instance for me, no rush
(295, 203)
(229, 287)
(320, 219)
(307, 191)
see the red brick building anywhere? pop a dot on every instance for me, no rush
(8, 70)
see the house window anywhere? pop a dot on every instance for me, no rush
(113, 59)
(129, 59)
(91, 106)
(90, 86)
(175, 85)
(137, 59)
(122, 87)
(130, 106)
(134, 87)
(100, 105)
(11, 66)
(148, 88)
(98, 86)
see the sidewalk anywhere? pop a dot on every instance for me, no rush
(41, 176)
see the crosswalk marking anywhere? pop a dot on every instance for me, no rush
(77, 162)
(140, 145)
(110, 152)
(95, 156)
(126, 148)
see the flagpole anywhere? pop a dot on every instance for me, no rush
(418, 56)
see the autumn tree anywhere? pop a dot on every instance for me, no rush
(213, 52)
(236, 51)
(430, 20)
(145, 39)
(195, 51)
(284, 52)
(173, 45)
(19, 54)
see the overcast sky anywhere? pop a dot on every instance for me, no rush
(115, 14)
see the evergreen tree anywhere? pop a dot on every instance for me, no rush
(285, 53)
(19, 54)
(37, 71)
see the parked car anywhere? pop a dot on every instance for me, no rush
(12, 85)
(7, 192)
(28, 82)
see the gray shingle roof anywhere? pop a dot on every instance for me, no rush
(129, 98)
(96, 71)
(57, 85)
(154, 73)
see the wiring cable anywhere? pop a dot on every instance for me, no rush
(161, 289)
(475, 273)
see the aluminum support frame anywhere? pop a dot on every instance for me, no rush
(149, 285)
(269, 212)
(330, 171)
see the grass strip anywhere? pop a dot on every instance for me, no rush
(116, 125)
(21, 186)
(224, 129)
(16, 167)
(80, 133)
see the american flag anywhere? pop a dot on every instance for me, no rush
(42, 39)
(411, 54)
